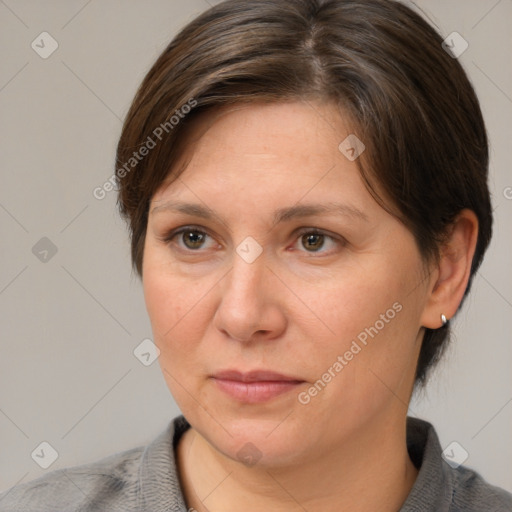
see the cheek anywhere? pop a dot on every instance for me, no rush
(366, 329)
(174, 306)
(166, 302)
(348, 303)
(176, 312)
(169, 296)
(160, 296)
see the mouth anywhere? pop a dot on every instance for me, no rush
(255, 386)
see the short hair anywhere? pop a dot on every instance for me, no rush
(405, 95)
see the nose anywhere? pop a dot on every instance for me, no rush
(250, 307)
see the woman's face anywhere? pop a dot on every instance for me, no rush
(286, 303)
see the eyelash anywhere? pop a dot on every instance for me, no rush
(304, 231)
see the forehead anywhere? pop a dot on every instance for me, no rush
(300, 126)
(260, 145)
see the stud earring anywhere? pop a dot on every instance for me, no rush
(443, 320)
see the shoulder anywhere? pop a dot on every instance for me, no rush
(143, 479)
(471, 492)
(88, 487)
(443, 486)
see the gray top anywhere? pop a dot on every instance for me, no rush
(145, 480)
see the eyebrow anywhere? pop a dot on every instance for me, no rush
(308, 210)
(281, 215)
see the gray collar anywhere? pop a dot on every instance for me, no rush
(160, 489)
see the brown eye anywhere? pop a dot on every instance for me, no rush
(190, 239)
(313, 241)
(193, 239)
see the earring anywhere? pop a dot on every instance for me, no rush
(443, 319)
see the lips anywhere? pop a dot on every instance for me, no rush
(255, 386)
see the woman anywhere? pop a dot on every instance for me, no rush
(306, 186)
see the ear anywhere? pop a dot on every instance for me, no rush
(451, 274)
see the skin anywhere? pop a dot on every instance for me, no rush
(293, 310)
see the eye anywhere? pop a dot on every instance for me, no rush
(315, 241)
(190, 239)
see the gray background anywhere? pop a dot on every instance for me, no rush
(70, 324)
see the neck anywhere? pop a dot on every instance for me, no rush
(370, 471)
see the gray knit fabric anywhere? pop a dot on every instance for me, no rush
(145, 480)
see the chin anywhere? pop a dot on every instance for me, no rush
(253, 441)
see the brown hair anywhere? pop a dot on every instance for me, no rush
(410, 101)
